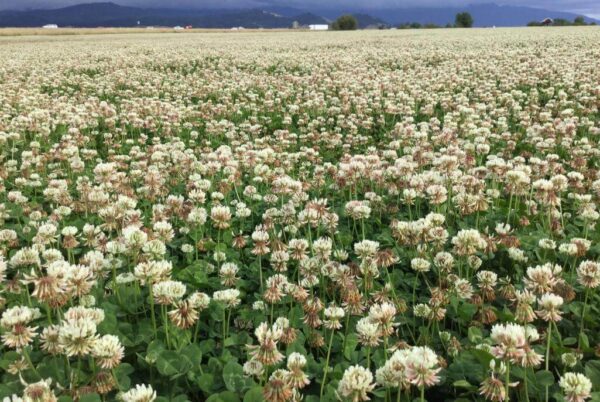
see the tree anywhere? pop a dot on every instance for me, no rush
(561, 22)
(463, 20)
(345, 23)
(579, 21)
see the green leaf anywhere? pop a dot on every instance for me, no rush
(92, 397)
(585, 342)
(254, 395)
(109, 324)
(297, 346)
(155, 348)
(193, 353)
(544, 378)
(463, 384)
(207, 346)
(206, 382)
(9, 388)
(173, 364)
(8, 358)
(215, 365)
(351, 343)
(230, 341)
(122, 372)
(483, 357)
(592, 371)
(225, 396)
(180, 398)
(466, 311)
(234, 378)
(475, 335)
(53, 367)
(468, 366)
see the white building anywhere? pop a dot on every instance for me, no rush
(178, 28)
(318, 27)
(50, 26)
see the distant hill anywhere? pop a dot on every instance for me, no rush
(484, 15)
(309, 18)
(368, 21)
(108, 14)
(113, 15)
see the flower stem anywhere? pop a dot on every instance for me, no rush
(196, 330)
(152, 315)
(166, 324)
(549, 336)
(587, 292)
(260, 272)
(526, 387)
(224, 330)
(508, 381)
(326, 369)
(345, 332)
(28, 359)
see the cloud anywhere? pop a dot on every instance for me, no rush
(587, 7)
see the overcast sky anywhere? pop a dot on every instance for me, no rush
(587, 7)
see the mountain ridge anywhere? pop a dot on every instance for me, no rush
(111, 14)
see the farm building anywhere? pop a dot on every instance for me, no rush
(50, 26)
(318, 27)
(547, 21)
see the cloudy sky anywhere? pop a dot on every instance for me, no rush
(587, 7)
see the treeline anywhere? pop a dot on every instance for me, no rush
(560, 22)
(418, 25)
(462, 20)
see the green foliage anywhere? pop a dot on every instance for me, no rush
(345, 23)
(463, 20)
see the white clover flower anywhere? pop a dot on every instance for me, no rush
(356, 384)
(420, 264)
(134, 237)
(141, 393)
(77, 337)
(366, 248)
(229, 297)
(577, 387)
(167, 292)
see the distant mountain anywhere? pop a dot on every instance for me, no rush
(113, 15)
(109, 14)
(285, 11)
(368, 21)
(484, 15)
(309, 18)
